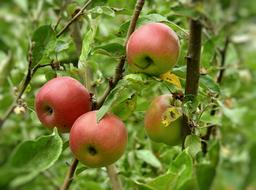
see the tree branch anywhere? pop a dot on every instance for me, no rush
(70, 174)
(223, 53)
(30, 72)
(193, 69)
(119, 69)
(114, 179)
(74, 18)
(209, 131)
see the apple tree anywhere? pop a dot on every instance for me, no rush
(127, 95)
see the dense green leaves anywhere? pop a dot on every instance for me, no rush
(180, 172)
(229, 161)
(125, 89)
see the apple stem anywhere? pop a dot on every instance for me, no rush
(193, 70)
(113, 176)
(69, 177)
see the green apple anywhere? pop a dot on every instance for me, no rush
(152, 49)
(162, 121)
(98, 144)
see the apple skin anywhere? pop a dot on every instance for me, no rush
(170, 135)
(98, 144)
(60, 102)
(152, 49)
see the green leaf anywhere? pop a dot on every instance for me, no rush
(37, 154)
(187, 10)
(183, 167)
(88, 40)
(206, 82)
(193, 144)
(114, 47)
(210, 119)
(142, 20)
(164, 182)
(125, 109)
(142, 186)
(148, 19)
(214, 152)
(42, 39)
(61, 46)
(208, 52)
(119, 94)
(32, 157)
(125, 90)
(148, 157)
(205, 175)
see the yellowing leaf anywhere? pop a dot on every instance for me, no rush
(171, 78)
(170, 115)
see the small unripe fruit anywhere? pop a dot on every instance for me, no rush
(98, 144)
(152, 49)
(60, 102)
(158, 121)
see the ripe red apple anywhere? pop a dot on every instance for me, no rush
(158, 121)
(60, 102)
(98, 144)
(152, 49)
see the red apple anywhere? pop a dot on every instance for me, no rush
(98, 144)
(60, 102)
(153, 49)
(158, 121)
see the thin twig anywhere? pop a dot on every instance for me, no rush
(209, 131)
(193, 69)
(69, 177)
(22, 90)
(113, 176)
(30, 73)
(223, 53)
(74, 18)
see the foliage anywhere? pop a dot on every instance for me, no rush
(36, 164)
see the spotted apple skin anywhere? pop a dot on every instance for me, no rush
(154, 127)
